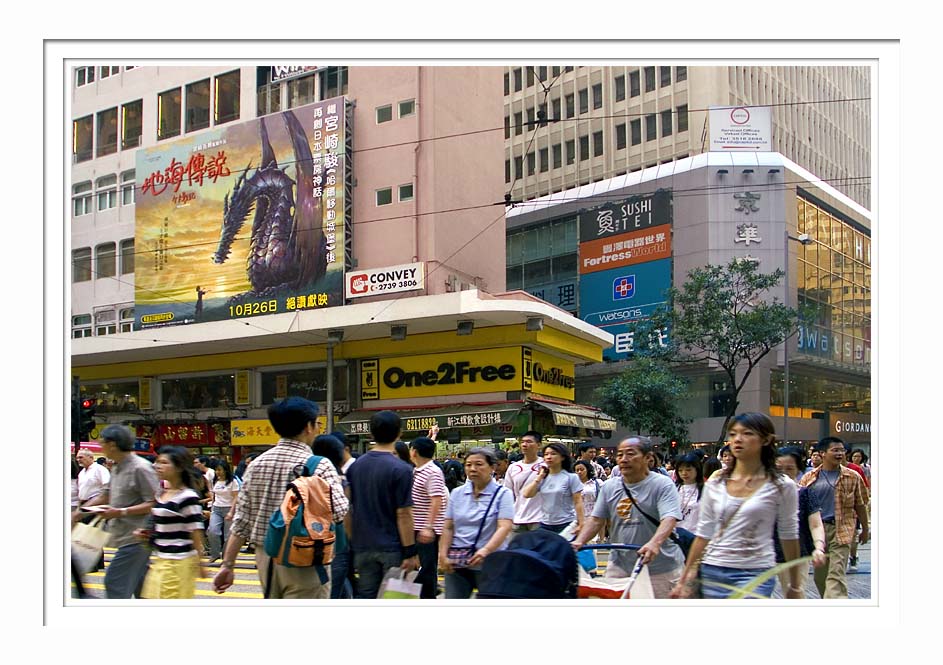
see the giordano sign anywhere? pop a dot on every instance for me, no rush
(466, 372)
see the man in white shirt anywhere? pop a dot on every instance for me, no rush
(527, 512)
(93, 478)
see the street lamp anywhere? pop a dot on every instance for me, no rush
(802, 239)
(334, 336)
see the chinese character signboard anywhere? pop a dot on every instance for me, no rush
(635, 213)
(562, 294)
(246, 219)
(255, 432)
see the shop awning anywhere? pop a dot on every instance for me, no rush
(571, 415)
(446, 417)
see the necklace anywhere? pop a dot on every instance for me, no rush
(824, 474)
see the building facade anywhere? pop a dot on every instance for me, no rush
(607, 251)
(605, 121)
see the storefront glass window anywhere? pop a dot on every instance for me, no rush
(112, 397)
(199, 392)
(310, 383)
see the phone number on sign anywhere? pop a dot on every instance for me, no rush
(389, 286)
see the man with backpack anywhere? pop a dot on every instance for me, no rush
(381, 514)
(262, 494)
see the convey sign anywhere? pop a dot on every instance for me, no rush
(395, 279)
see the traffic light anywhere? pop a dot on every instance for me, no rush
(87, 416)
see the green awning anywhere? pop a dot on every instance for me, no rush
(446, 417)
(574, 415)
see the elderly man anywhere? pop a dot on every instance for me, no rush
(634, 505)
(93, 478)
(129, 497)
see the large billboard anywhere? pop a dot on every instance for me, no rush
(247, 219)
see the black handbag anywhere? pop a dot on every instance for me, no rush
(460, 556)
(679, 536)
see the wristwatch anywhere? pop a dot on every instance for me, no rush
(124, 512)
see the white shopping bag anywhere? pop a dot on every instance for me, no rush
(88, 541)
(400, 584)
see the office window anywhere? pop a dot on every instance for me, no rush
(620, 88)
(507, 83)
(407, 108)
(597, 144)
(406, 192)
(530, 76)
(651, 130)
(555, 71)
(518, 123)
(518, 80)
(127, 256)
(568, 69)
(531, 163)
(384, 114)
(105, 323)
(132, 124)
(666, 123)
(634, 89)
(649, 79)
(227, 97)
(584, 100)
(681, 74)
(168, 114)
(82, 198)
(620, 136)
(570, 152)
(198, 105)
(507, 127)
(570, 111)
(127, 187)
(384, 196)
(557, 156)
(126, 316)
(106, 188)
(665, 73)
(683, 118)
(584, 148)
(84, 76)
(518, 167)
(105, 260)
(541, 73)
(544, 160)
(81, 326)
(107, 136)
(530, 118)
(105, 72)
(507, 170)
(334, 82)
(555, 105)
(301, 91)
(82, 132)
(597, 96)
(82, 264)
(636, 126)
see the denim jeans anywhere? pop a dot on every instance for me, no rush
(340, 582)
(124, 576)
(218, 532)
(460, 583)
(428, 567)
(737, 577)
(371, 566)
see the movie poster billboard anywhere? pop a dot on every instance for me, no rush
(244, 220)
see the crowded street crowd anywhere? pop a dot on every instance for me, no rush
(704, 524)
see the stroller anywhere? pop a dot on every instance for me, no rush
(537, 564)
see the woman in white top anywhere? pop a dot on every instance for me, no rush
(738, 510)
(225, 492)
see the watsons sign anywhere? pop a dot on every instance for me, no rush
(845, 349)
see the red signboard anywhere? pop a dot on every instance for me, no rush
(192, 435)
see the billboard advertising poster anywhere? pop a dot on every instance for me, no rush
(393, 279)
(741, 128)
(616, 299)
(625, 216)
(244, 220)
(624, 250)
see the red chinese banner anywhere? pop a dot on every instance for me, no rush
(187, 434)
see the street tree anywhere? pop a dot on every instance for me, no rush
(723, 316)
(646, 397)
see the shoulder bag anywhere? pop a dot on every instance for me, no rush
(679, 536)
(459, 556)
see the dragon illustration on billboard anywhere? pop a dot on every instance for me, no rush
(287, 244)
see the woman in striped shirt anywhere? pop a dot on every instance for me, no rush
(176, 533)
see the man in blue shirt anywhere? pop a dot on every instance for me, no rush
(380, 520)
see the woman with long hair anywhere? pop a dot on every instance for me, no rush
(791, 461)
(477, 523)
(560, 490)
(176, 534)
(225, 493)
(739, 508)
(690, 485)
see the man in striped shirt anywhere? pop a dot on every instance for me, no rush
(429, 500)
(266, 480)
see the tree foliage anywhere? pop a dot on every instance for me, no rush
(646, 398)
(721, 315)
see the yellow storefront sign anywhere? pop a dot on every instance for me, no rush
(257, 432)
(458, 373)
(547, 375)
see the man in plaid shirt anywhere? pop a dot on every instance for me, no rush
(266, 480)
(842, 495)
